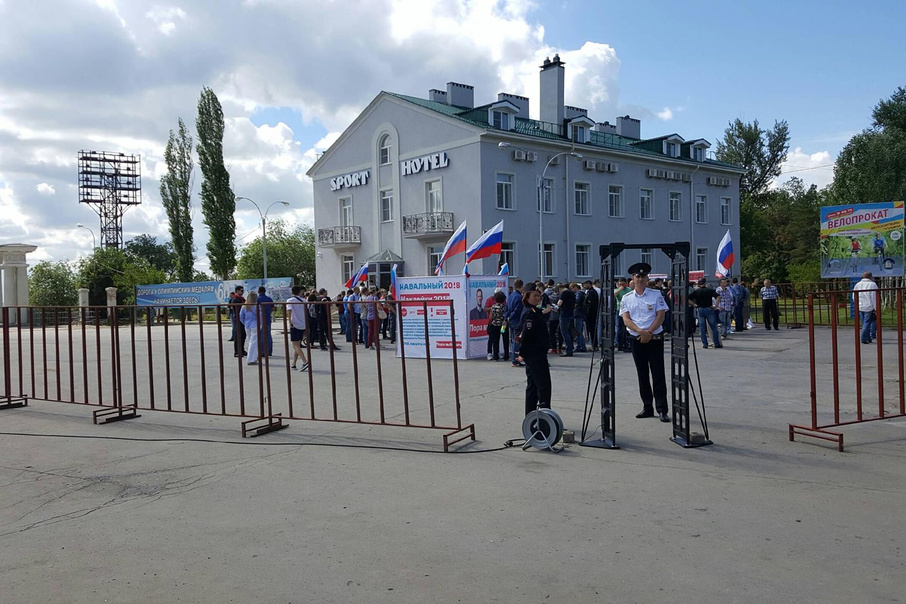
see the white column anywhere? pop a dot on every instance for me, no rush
(15, 276)
(111, 296)
(83, 296)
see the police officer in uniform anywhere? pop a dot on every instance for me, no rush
(533, 339)
(643, 311)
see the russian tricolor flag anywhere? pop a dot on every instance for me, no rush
(361, 275)
(724, 257)
(393, 281)
(456, 245)
(505, 269)
(487, 245)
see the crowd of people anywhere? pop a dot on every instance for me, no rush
(529, 322)
(364, 314)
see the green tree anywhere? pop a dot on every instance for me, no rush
(160, 256)
(176, 194)
(872, 165)
(290, 253)
(112, 267)
(52, 284)
(760, 152)
(218, 204)
(788, 227)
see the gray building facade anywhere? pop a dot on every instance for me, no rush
(408, 171)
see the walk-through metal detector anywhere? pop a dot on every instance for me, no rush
(681, 330)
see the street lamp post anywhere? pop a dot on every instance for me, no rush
(94, 241)
(504, 145)
(264, 226)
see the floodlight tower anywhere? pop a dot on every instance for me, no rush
(110, 183)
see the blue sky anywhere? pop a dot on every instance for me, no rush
(292, 74)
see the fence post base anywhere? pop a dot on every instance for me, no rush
(469, 433)
(12, 402)
(818, 433)
(115, 414)
(272, 424)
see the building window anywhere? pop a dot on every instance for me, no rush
(698, 154)
(508, 255)
(347, 262)
(725, 210)
(501, 120)
(545, 196)
(578, 133)
(615, 201)
(701, 258)
(385, 150)
(346, 211)
(505, 192)
(547, 259)
(583, 252)
(701, 209)
(670, 149)
(676, 206)
(433, 197)
(646, 256)
(387, 205)
(583, 207)
(434, 254)
(646, 208)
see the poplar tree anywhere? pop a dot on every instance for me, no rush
(218, 204)
(176, 194)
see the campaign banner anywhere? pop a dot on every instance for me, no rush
(432, 296)
(479, 301)
(207, 293)
(862, 237)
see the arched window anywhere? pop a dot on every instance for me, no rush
(385, 150)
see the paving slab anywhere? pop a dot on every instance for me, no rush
(175, 507)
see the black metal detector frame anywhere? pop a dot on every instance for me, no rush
(680, 331)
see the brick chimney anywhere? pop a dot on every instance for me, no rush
(553, 80)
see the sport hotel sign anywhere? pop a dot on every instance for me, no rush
(435, 161)
(355, 179)
(862, 237)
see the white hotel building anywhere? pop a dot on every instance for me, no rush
(408, 171)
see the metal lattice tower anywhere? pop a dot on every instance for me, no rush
(110, 182)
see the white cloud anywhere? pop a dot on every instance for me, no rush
(665, 114)
(323, 60)
(813, 168)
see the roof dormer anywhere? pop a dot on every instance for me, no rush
(672, 145)
(502, 115)
(579, 128)
(696, 149)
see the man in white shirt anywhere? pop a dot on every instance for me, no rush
(643, 311)
(865, 290)
(295, 306)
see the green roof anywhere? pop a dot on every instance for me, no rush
(478, 116)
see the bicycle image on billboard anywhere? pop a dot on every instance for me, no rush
(860, 238)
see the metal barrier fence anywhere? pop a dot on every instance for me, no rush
(856, 376)
(125, 362)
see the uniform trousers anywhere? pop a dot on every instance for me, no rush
(649, 359)
(537, 384)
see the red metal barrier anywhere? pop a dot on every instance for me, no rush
(852, 373)
(181, 365)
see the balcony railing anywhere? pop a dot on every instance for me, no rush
(338, 236)
(428, 224)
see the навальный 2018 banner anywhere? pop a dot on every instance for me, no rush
(860, 238)
(479, 302)
(432, 295)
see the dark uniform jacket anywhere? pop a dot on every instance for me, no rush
(534, 333)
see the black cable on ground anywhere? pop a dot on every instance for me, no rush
(507, 445)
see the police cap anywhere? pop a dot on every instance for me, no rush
(640, 268)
